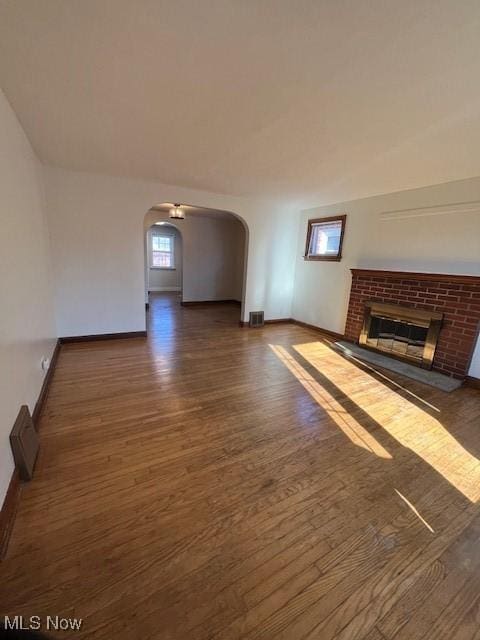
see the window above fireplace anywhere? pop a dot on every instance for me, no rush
(325, 238)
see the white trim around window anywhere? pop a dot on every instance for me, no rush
(161, 251)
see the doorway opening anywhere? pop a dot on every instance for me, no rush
(164, 258)
(195, 258)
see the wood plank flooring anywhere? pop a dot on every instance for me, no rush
(212, 482)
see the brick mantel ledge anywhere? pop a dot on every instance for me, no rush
(412, 275)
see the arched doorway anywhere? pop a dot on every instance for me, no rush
(210, 250)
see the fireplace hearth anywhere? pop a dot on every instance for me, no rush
(402, 332)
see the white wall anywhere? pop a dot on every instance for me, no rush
(475, 364)
(96, 227)
(164, 279)
(441, 244)
(213, 249)
(26, 322)
(239, 251)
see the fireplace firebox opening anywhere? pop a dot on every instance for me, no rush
(402, 332)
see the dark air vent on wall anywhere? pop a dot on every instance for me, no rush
(256, 319)
(25, 444)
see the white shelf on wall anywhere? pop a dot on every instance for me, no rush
(447, 209)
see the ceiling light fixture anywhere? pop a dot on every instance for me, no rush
(177, 213)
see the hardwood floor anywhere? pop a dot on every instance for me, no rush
(212, 482)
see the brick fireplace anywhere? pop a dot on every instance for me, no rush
(455, 298)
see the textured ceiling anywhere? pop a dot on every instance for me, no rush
(278, 98)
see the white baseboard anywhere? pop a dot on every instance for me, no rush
(164, 288)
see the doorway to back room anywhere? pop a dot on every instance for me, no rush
(194, 257)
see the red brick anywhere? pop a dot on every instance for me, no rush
(460, 304)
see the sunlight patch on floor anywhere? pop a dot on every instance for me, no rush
(365, 365)
(350, 427)
(410, 425)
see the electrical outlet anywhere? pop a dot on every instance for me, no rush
(45, 364)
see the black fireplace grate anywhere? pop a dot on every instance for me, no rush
(397, 336)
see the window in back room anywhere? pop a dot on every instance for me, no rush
(162, 252)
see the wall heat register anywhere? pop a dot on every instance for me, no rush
(256, 319)
(25, 443)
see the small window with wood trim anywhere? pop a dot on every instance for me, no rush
(325, 238)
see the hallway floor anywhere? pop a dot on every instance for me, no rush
(212, 482)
